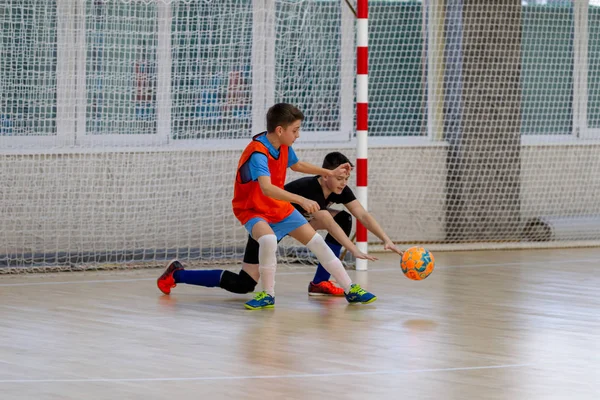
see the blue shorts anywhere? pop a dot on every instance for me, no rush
(281, 228)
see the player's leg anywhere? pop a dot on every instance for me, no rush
(320, 285)
(267, 263)
(241, 283)
(315, 243)
(267, 236)
(245, 281)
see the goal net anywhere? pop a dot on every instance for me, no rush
(121, 121)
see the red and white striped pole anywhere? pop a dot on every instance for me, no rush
(362, 98)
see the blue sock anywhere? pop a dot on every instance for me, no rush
(208, 278)
(322, 275)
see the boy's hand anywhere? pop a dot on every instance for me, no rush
(342, 170)
(391, 246)
(363, 256)
(309, 205)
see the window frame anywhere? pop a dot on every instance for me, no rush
(581, 130)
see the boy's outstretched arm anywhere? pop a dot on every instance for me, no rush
(274, 192)
(324, 220)
(308, 168)
(372, 225)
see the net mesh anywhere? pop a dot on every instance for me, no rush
(121, 122)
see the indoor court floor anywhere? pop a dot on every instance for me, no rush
(485, 325)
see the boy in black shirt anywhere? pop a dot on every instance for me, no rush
(327, 191)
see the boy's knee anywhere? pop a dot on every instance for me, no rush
(344, 220)
(267, 243)
(267, 251)
(322, 215)
(241, 283)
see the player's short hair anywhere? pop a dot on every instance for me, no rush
(334, 160)
(282, 114)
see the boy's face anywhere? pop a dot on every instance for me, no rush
(336, 183)
(289, 134)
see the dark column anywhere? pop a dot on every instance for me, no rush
(483, 119)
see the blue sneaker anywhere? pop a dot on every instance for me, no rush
(359, 295)
(262, 300)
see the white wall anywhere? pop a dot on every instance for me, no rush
(177, 199)
(560, 180)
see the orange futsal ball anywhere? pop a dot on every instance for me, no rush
(417, 263)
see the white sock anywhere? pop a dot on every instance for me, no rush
(267, 279)
(329, 261)
(267, 262)
(336, 268)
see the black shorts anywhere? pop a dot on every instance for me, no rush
(251, 252)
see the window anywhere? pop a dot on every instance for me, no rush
(212, 74)
(593, 70)
(308, 61)
(547, 68)
(121, 68)
(397, 80)
(28, 62)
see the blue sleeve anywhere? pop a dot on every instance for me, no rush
(259, 166)
(292, 157)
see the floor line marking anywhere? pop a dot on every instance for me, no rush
(288, 376)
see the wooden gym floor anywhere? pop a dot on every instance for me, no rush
(485, 325)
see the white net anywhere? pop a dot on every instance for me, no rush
(121, 122)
